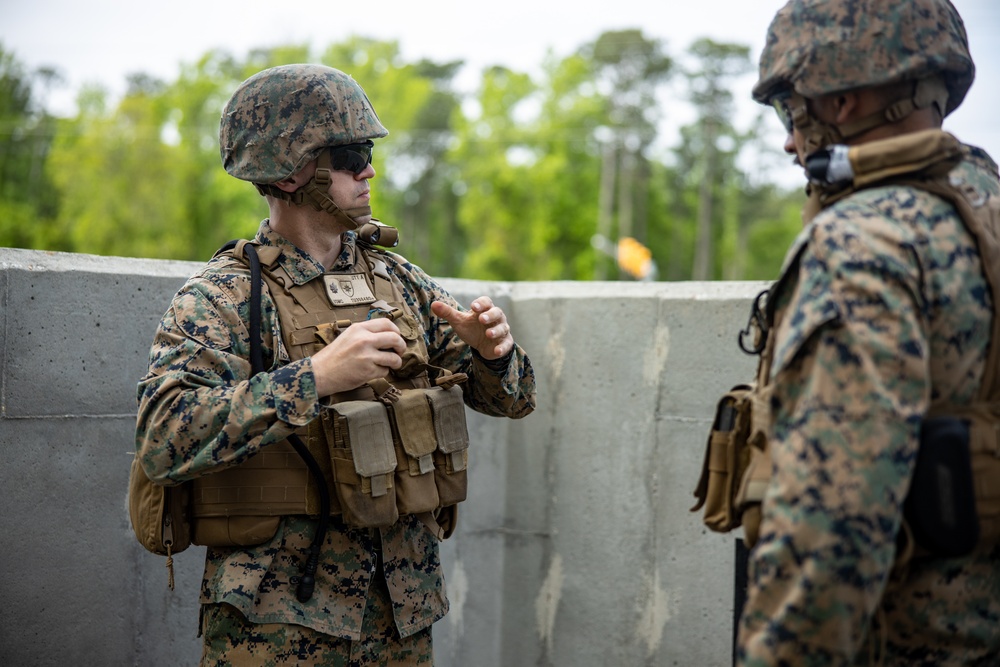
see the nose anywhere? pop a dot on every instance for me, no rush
(367, 172)
(789, 146)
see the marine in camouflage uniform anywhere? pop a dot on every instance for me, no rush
(882, 308)
(377, 590)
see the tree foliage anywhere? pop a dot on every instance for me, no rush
(528, 177)
(26, 132)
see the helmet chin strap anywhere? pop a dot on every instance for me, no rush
(315, 193)
(818, 135)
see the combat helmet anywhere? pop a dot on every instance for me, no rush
(819, 47)
(283, 117)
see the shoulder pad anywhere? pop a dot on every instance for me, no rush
(267, 254)
(226, 248)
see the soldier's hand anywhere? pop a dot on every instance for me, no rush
(484, 327)
(364, 351)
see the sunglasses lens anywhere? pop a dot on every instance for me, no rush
(784, 115)
(353, 157)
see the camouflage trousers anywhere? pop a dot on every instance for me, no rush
(230, 640)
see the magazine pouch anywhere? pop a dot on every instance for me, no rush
(416, 442)
(451, 459)
(363, 458)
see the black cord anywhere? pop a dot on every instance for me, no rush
(256, 353)
(308, 579)
(307, 582)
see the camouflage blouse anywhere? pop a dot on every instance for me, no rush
(200, 411)
(885, 309)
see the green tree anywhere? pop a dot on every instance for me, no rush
(713, 143)
(492, 155)
(28, 200)
(512, 183)
(771, 215)
(417, 104)
(566, 175)
(629, 69)
(152, 184)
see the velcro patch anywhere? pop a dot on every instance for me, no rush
(348, 289)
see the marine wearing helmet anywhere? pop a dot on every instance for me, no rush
(284, 117)
(878, 345)
(917, 50)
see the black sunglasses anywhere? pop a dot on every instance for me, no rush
(780, 104)
(352, 157)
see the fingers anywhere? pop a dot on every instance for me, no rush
(375, 325)
(482, 304)
(492, 318)
(504, 345)
(482, 309)
(444, 311)
(365, 350)
(484, 326)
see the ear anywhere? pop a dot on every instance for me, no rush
(289, 184)
(847, 106)
(298, 179)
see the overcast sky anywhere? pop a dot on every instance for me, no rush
(101, 41)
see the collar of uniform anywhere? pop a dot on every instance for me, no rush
(299, 265)
(348, 253)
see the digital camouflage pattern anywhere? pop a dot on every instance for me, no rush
(821, 46)
(231, 641)
(280, 119)
(881, 309)
(200, 412)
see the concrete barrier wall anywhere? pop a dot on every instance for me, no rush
(575, 548)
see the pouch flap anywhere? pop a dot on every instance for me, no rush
(415, 423)
(370, 436)
(754, 483)
(449, 419)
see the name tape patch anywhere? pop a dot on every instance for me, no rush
(348, 289)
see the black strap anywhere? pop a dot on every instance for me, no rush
(256, 354)
(307, 582)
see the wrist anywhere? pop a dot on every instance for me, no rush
(498, 365)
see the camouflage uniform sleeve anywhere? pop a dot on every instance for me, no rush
(851, 383)
(499, 392)
(198, 408)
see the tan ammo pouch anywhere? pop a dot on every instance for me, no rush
(727, 454)
(364, 461)
(750, 493)
(451, 459)
(432, 449)
(416, 490)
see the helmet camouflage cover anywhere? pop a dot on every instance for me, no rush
(818, 47)
(281, 118)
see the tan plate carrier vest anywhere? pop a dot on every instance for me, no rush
(393, 446)
(737, 465)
